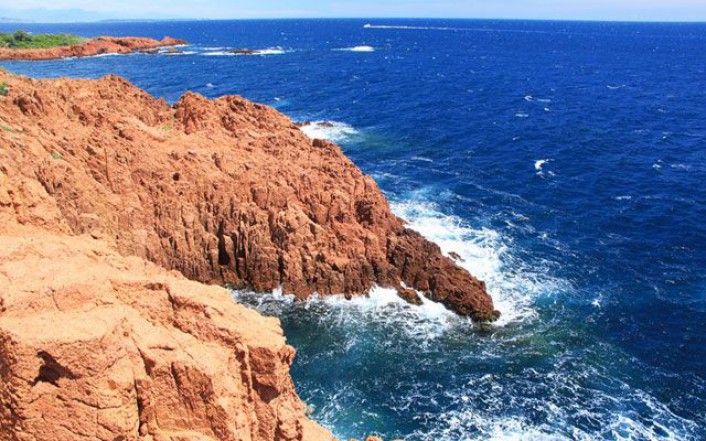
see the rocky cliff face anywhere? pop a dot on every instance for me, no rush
(224, 191)
(95, 46)
(104, 189)
(97, 346)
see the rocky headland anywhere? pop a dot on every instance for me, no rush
(111, 200)
(92, 47)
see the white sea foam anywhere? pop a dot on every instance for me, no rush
(270, 51)
(540, 163)
(539, 166)
(112, 54)
(362, 48)
(218, 54)
(383, 306)
(256, 52)
(612, 87)
(485, 254)
(179, 53)
(331, 130)
(522, 115)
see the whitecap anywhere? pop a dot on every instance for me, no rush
(330, 130)
(539, 164)
(681, 167)
(522, 115)
(616, 87)
(362, 48)
(421, 158)
(270, 51)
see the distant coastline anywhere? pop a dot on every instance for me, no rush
(91, 47)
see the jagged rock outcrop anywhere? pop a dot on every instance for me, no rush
(98, 346)
(94, 46)
(224, 191)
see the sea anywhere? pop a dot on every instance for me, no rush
(565, 162)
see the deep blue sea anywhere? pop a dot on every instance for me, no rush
(564, 161)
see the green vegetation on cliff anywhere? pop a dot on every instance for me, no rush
(25, 40)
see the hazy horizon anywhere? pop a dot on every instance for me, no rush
(581, 10)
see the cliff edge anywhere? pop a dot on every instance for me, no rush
(225, 191)
(98, 346)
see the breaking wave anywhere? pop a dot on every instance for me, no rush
(220, 52)
(433, 375)
(330, 130)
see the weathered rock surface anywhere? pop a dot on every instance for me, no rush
(95, 46)
(224, 191)
(98, 346)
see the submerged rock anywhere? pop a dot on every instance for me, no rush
(244, 52)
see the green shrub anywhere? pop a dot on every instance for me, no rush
(25, 40)
(56, 155)
(4, 90)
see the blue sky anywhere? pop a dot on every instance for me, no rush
(650, 10)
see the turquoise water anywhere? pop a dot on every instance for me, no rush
(565, 162)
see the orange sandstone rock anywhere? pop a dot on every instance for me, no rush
(97, 346)
(95, 46)
(224, 191)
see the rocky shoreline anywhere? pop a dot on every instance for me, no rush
(92, 47)
(110, 200)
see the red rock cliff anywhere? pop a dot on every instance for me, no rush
(98, 346)
(224, 191)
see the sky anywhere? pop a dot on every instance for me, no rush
(89, 10)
